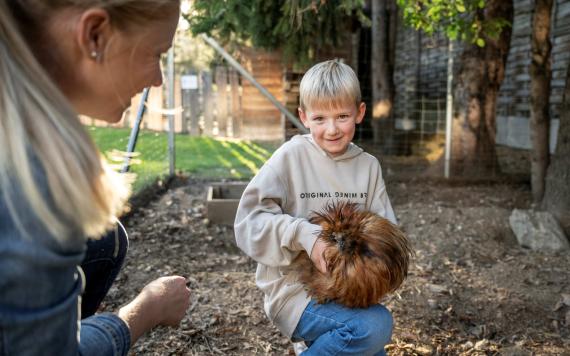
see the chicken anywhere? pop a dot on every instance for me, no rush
(366, 255)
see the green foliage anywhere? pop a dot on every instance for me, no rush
(299, 27)
(202, 157)
(457, 19)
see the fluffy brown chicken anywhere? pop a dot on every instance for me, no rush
(366, 255)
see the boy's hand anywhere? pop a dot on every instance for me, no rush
(317, 256)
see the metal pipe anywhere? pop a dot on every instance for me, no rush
(449, 109)
(135, 131)
(260, 87)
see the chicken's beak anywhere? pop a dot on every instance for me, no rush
(339, 238)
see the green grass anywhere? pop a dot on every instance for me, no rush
(201, 157)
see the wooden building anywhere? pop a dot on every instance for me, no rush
(261, 119)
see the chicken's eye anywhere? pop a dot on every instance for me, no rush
(365, 251)
(337, 236)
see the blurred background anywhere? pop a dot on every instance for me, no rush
(463, 90)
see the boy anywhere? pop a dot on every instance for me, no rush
(302, 176)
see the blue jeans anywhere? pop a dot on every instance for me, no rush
(333, 329)
(105, 333)
(103, 261)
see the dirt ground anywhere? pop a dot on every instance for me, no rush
(471, 289)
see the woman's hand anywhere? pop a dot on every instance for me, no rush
(317, 255)
(163, 301)
(170, 296)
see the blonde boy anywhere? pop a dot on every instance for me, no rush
(302, 176)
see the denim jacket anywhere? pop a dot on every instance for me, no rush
(40, 289)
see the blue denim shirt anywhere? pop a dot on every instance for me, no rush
(40, 288)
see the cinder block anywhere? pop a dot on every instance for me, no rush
(222, 202)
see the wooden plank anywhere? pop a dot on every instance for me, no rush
(258, 100)
(222, 100)
(275, 90)
(194, 102)
(562, 10)
(260, 114)
(560, 65)
(236, 109)
(208, 101)
(186, 115)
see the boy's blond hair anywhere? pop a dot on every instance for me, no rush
(329, 84)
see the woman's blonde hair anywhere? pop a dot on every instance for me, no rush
(329, 84)
(38, 125)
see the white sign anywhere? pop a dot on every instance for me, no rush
(189, 81)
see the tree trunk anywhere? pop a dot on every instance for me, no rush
(384, 15)
(482, 71)
(540, 74)
(557, 188)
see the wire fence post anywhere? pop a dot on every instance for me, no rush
(438, 115)
(171, 103)
(422, 120)
(135, 132)
(448, 109)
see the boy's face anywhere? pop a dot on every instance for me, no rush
(333, 128)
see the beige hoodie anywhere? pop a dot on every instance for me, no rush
(271, 223)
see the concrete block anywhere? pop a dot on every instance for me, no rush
(514, 131)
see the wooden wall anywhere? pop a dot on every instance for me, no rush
(261, 119)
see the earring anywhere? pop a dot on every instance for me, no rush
(94, 54)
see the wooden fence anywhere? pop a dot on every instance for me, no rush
(206, 104)
(211, 103)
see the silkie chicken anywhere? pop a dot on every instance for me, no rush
(366, 256)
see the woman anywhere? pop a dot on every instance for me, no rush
(58, 59)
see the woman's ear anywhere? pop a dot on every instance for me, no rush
(361, 112)
(93, 33)
(303, 117)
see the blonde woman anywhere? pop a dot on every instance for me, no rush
(58, 59)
